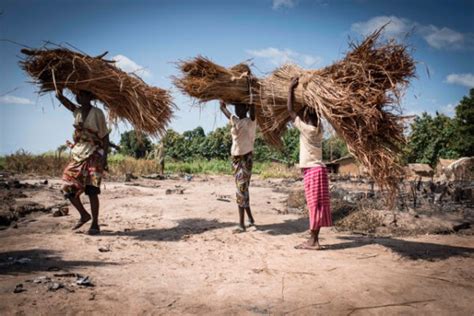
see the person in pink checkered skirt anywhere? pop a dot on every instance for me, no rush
(315, 173)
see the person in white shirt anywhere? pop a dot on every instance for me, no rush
(315, 174)
(243, 138)
(89, 157)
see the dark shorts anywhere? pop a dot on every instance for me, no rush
(92, 190)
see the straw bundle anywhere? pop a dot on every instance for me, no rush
(206, 81)
(148, 109)
(356, 96)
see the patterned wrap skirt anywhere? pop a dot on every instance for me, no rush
(316, 187)
(81, 174)
(242, 166)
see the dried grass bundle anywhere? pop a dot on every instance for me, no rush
(357, 96)
(206, 81)
(127, 97)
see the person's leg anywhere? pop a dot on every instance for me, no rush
(249, 167)
(315, 238)
(242, 217)
(162, 167)
(94, 198)
(93, 193)
(249, 214)
(85, 217)
(239, 194)
(72, 188)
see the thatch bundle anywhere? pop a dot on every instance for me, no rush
(206, 81)
(356, 96)
(148, 109)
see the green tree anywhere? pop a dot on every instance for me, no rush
(431, 138)
(135, 145)
(175, 145)
(217, 144)
(464, 119)
(291, 146)
(194, 142)
(334, 147)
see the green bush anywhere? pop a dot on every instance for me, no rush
(134, 145)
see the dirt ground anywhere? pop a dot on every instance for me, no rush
(175, 253)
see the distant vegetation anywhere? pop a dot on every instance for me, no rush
(439, 136)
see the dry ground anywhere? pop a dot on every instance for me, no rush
(175, 254)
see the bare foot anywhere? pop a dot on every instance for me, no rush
(94, 231)
(81, 222)
(309, 245)
(239, 229)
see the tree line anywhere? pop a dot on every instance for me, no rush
(196, 144)
(438, 136)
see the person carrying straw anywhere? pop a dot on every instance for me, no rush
(84, 172)
(243, 137)
(315, 174)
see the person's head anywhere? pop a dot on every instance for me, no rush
(84, 98)
(241, 110)
(310, 116)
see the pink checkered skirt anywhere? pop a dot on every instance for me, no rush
(316, 187)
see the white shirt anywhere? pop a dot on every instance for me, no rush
(311, 137)
(243, 135)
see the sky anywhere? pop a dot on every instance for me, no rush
(149, 37)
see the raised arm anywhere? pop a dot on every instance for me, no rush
(252, 111)
(291, 97)
(65, 101)
(225, 110)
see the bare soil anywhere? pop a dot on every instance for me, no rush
(167, 247)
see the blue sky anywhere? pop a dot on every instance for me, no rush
(151, 35)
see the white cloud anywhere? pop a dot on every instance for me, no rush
(436, 37)
(283, 3)
(11, 99)
(128, 65)
(397, 27)
(466, 80)
(448, 109)
(278, 57)
(442, 37)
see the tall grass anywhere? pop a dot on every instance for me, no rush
(120, 165)
(23, 162)
(214, 166)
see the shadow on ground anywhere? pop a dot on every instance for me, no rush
(412, 250)
(185, 227)
(288, 227)
(33, 260)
